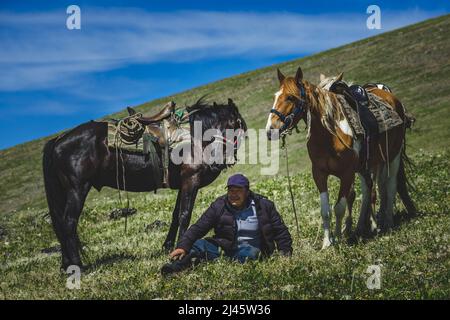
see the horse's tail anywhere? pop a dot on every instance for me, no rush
(56, 198)
(404, 184)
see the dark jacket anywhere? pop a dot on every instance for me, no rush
(272, 229)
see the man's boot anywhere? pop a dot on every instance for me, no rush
(184, 263)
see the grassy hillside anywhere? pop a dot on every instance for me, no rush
(412, 60)
(415, 259)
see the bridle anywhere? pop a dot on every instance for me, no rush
(235, 142)
(298, 110)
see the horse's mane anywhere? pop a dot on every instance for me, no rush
(326, 104)
(213, 114)
(321, 101)
(327, 82)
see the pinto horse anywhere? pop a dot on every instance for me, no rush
(402, 183)
(80, 159)
(331, 148)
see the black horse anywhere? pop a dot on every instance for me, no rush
(80, 159)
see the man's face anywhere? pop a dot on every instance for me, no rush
(237, 196)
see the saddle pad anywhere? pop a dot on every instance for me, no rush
(351, 116)
(386, 117)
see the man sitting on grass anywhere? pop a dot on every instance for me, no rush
(246, 226)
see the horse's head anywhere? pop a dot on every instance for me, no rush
(327, 82)
(222, 117)
(238, 121)
(289, 104)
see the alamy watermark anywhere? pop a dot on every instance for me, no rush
(74, 19)
(374, 280)
(374, 20)
(230, 147)
(74, 279)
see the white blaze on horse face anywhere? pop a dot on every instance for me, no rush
(269, 120)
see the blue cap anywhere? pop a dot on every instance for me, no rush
(238, 180)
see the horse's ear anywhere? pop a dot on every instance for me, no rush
(339, 77)
(322, 77)
(131, 111)
(230, 102)
(280, 75)
(299, 75)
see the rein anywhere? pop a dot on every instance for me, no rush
(290, 190)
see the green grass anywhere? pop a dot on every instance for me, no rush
(415, 258)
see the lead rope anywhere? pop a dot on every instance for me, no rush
(290, 188)
(118, 141)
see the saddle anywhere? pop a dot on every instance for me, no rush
(358, 99)
(165, 113)
(166, 129)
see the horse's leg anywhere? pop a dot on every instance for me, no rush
(402, 189)
(59, 228)
(391, 192)
(373, 202)
(349, 220)
(382, 182)
(187, 199)
(340, 206)
(74, 205)
(362, 228)
(169, 243)
(321, 178)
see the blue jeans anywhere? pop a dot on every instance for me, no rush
(211, 251)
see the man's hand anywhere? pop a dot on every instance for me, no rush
(177, 254)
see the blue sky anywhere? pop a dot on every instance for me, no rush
(130, 52)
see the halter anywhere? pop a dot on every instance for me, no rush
(299, 108)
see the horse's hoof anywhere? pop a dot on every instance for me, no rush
(352, 239)
(326, 244)
(347, 232)
(411, 216)
(385, 230)
(362, 234)
(70, 269)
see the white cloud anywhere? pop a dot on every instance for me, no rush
(38, 51)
